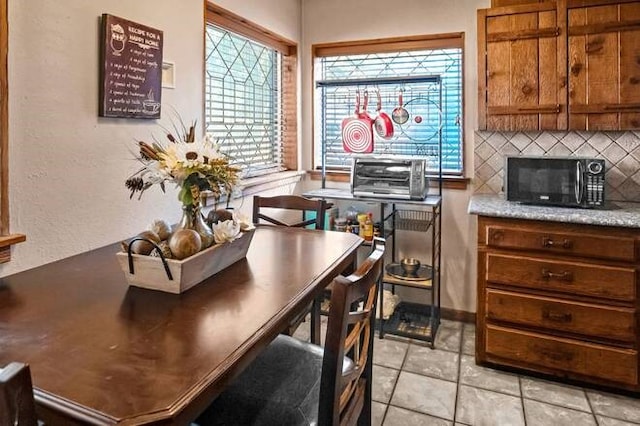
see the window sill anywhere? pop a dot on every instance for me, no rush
(255, 185)
(6, 241)
(448, 182)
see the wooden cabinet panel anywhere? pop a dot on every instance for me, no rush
(501, 3)
(520, 85)
(560, 299)
(604, 70)
(582, 244)
(557, 65)
(562, 276)
(565, 356)
(557, 315)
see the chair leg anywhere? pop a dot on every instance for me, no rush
(365, 414)
(315, 320)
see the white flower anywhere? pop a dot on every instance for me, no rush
(198, 164)
(169, 157)
(155, 173)
(243, 221)
(226, 231)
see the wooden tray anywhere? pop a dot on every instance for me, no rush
(149, 271)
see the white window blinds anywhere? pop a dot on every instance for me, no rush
(243, 100)
(430, 82)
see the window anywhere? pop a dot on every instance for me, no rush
(6, 238)
(425, 71)
(250, 93)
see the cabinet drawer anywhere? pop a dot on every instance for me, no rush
(560, 315)
(617, 283)
(587, 244)
(562, 355)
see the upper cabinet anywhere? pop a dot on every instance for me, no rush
(522, 79)
(570, 64)
(604, 65)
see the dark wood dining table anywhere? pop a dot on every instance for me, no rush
(102, 352)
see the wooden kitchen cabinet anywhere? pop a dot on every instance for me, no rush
(604, 65)
(501, 3)
(559, 299)
(521, 68)
(565, 64)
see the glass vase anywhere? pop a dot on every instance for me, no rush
(192, 219)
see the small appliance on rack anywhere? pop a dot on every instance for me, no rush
(389, 177)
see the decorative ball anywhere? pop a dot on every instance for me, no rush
(418, 119)
(161, 227)
(184, 243)
(144, 247)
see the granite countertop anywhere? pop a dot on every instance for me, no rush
(614, 214)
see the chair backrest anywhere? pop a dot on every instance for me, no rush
(290, 202)
(17, 406)
(349, 332)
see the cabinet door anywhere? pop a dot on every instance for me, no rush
(604, 65)
(522, 72)
(501, 3)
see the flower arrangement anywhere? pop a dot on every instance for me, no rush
(193, 165)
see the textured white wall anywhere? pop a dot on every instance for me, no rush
(67, 166)
(342, 20)
(279, 16)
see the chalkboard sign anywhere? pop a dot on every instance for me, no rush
(130, 69)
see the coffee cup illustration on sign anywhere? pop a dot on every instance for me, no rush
(150, 105)
(118, 39)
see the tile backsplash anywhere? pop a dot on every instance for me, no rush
(621, 151)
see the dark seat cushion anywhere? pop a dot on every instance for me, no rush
(281, 387)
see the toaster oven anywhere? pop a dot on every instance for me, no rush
(389, 178)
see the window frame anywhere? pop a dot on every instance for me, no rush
(6, 238)
(388, 45)
(229, 21)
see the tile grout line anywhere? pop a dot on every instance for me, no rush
(422, 413)
(455, 403)
(593, 412)
(395, 385)
(558, 405)
(402, 366)
(524, 410)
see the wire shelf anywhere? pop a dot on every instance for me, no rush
(414, 220)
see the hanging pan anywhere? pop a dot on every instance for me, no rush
(382, 124)
(357, 131)
(399, 114)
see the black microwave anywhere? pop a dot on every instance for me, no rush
(556, 181)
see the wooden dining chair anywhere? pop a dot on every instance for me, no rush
(303, 206)
(17, 406)
(299, 383)
(290, 202)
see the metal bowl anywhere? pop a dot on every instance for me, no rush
(410, 265)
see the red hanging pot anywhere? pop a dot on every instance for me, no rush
(383, 123)
(357, 132)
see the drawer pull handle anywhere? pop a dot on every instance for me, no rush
(549, 243)
(557, 316)
(562, 276)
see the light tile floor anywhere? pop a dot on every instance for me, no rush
(416, 385)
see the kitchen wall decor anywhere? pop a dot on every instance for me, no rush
(130, 69)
